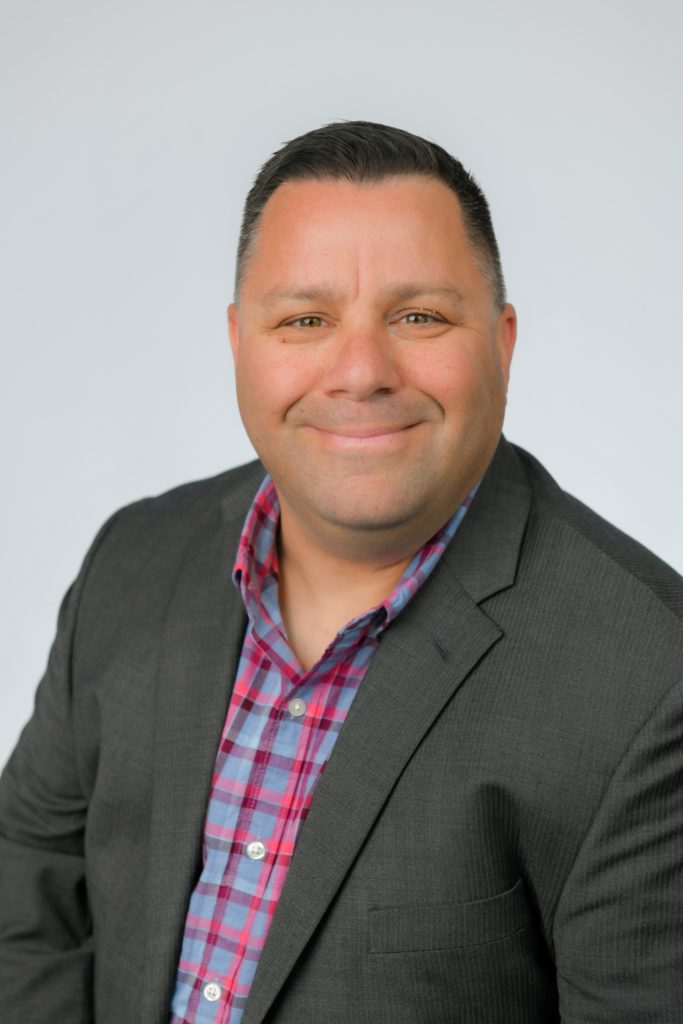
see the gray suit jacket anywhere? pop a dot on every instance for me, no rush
(497, 837)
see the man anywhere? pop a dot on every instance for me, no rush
(391, 733)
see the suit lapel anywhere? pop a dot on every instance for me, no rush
(484, 553)
(201, 646)
(424, 657)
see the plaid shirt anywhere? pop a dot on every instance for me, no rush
(281, 727)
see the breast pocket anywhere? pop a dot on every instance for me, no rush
(441, 926)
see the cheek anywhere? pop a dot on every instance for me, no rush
(480, 369)
(270, 380)
(455, 379)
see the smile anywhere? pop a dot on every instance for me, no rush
(356, 438)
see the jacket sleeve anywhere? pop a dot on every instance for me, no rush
(46, 949)
(619, 923)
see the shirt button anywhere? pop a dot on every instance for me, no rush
(297, 707)
(256, 850)
(212, 991)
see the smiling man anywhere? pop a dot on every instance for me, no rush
(383, 727)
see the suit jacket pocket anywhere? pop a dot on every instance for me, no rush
(433, 926)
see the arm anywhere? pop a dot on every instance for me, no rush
(46, 949)
(619, 922)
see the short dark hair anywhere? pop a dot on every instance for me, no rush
(362, 151)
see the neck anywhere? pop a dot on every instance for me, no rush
(322, 588)
(331, 572)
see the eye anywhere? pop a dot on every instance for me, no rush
(308, 322)
(418, 317)
(418, 324)
(421, 317)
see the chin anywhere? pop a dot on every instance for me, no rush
(369, 517)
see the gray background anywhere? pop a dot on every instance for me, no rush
(130, 135)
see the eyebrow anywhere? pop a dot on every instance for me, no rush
(321, 293)
(398, 293)
(404, 293)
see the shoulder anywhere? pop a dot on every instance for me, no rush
(190, 504)
(143, 543)
(595, 555)
(590, 655)
(593, 617)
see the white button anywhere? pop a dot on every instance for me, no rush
(212, 991)
(256, 850)
(297, 707)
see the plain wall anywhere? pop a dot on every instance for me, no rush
(130, 135)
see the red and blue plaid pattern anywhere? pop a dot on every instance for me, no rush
(281, 727)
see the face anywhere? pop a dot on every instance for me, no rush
(371, 364)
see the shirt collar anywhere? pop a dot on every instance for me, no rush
(256, 570)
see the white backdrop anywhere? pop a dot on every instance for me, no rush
(131, 132)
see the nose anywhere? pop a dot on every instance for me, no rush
(363, 362)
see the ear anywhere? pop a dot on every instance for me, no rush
(233, 330)
(506, 335)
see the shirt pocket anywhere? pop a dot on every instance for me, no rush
(418, 928)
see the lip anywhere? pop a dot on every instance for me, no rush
(359, 438)
(363, 432)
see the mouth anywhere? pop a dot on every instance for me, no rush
(360, 438)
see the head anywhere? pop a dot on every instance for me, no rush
(371, 337)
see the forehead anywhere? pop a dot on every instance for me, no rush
(415, 196)
(398, 227)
